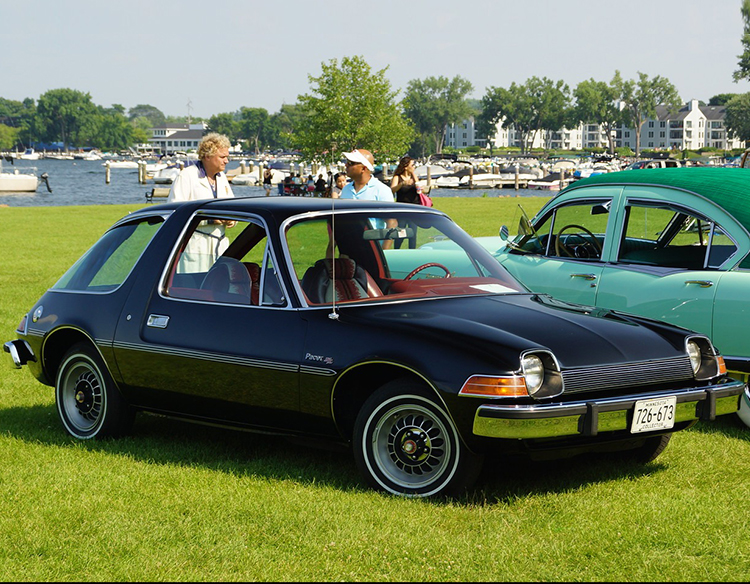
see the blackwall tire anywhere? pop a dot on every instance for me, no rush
(88, 401)
(406, 444)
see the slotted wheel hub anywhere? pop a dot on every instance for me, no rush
(83, 397)
(411, 446)
(86, 390)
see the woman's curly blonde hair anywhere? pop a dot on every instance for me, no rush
(211, 143)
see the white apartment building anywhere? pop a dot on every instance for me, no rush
(177, 137)
(692, 127)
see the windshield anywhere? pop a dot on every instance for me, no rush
(360, 256)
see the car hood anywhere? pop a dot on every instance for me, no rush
(578, 336)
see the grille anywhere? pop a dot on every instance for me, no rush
(627, 374)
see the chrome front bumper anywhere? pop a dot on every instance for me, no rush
(588, 418)
(20, 352)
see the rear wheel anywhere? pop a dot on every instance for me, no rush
(88, 402)
(406, 444)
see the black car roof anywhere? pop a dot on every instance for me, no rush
(281, 207)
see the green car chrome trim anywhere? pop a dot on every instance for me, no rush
(588, 418)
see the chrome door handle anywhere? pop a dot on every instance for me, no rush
(584, 276)
(701, 283)
(157, 321)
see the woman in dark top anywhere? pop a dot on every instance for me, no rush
(404, 187)
(404, 182)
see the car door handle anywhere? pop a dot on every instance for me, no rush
(157, 321)
(701, 283)
(584, 276)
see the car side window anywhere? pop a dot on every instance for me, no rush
(577, 230)
(105, 266)
(227, 261)
(670, 236)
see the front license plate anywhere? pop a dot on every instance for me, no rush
(653, 414)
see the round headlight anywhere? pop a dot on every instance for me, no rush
(533, 372)
(694, 352)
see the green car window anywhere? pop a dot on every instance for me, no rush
(669, 236)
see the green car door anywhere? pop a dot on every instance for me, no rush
(668, 260)
(565, 252)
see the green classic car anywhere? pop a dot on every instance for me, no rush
(672, 244)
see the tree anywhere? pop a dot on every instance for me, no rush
(62, 113)
(744, 64)
(434, 103)
(226, 124)
(351, 107)
(8, 137)
(639, 100)
(107, 129)
(596, 103)
(154, 115)
(255, 126)
(720, 99)
(284, 124)
(21, 117)
(737, 117)
(536, 105)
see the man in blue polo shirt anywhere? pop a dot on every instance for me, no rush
(363, 186)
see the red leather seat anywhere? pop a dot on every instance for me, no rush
(342, 275)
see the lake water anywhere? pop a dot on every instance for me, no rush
(83, 182)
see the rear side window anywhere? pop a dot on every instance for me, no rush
(669, 236)
(108, 263)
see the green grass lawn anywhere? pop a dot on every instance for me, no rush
(182, 502)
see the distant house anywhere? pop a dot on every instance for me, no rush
(172, 138)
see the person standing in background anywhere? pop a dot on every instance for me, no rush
(205, 180)
(404, 187)
(339, 182)
(404, 182)
(360, 165)
(267, 176)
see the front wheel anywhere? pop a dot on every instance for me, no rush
(406, 444)
(88, 402)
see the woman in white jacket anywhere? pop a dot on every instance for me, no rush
(205, 180)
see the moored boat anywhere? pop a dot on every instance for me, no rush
(17, 181)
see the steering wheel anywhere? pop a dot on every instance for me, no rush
(415, 271)
(590, 240)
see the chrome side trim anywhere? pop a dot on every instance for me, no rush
(222, 358)
(317, 371)
(589, 417)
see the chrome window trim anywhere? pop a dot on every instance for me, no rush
(235, 216)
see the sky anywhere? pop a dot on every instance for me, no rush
(204, 58)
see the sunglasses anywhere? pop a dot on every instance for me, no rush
(352, 163)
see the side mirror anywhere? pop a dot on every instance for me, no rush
(504, 233)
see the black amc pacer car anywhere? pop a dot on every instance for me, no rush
(335, 320)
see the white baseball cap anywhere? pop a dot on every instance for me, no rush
(357, 156)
